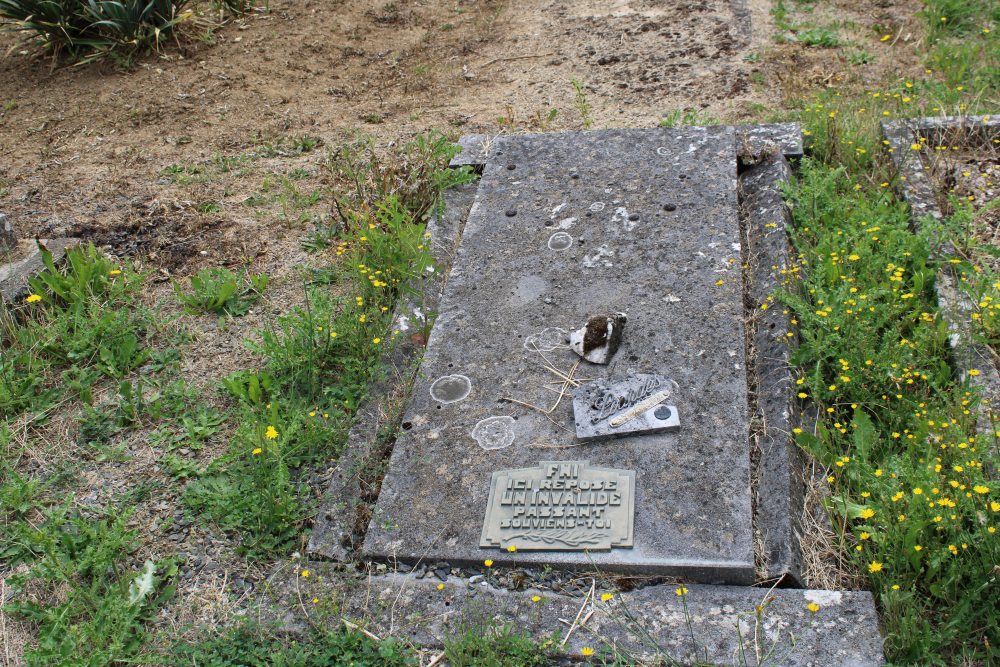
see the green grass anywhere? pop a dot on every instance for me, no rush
(320, 358)
(911, 494)
(96, 611)
(85, 343)
(254, 646)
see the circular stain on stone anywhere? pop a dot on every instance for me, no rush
(670, 207)
(511, 167)
(547, 339)
(663, 151)
(511, 212)
(451, 388)
(560, 241)
(494, 432)
(633, 217)
(597, 206)
(662, 413)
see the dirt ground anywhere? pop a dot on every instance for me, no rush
(209, 153)
(82, 149)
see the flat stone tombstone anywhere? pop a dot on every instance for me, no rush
(642, 222)
(560, 505)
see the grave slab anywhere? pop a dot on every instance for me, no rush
(651, 221)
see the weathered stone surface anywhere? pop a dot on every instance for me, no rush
(339, 525)
(754, 140)
(7, 239)
(780, 486)
(653, 220)
(476, 149)
(918, 190)
(24, 262)
(844, 631)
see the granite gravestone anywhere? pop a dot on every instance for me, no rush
(640, 222)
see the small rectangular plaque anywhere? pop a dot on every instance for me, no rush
(560, 506)
(635, 405)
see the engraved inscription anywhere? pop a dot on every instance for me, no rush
(608, 401)
(560, 505)
(634, 405)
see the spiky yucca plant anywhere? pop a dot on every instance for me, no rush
(88, 29)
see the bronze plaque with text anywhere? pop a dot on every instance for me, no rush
(560, 506)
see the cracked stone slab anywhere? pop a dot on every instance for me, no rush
(779, 471)
(24, 262)
(843, 630)
(651, 217)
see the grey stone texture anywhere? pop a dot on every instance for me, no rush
(778, 469)
(24, 262)
(758, 140)
(750, 140)
(917, 188)
(340, 524)
(653, 215)
(644, 626)
(8, 240)
(476, 149)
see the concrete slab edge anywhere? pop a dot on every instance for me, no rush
(780, 488)
(751, 140)
(708, 624)
(336, 533)
(917, 189)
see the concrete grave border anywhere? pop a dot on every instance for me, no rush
(917, 189)
(778, 500)
(776, 625)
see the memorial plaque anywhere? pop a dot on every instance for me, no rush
(632, 406)
(560, 505)
(567, 226)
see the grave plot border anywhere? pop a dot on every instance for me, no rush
(917, 189)
(339, 527)
(338, 534)
(777, 463)
(704, 625)
(24, 260)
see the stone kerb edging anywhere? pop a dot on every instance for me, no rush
(780, 486)
(716, 625)
(335, 533)
(24, 261)
(917, 188)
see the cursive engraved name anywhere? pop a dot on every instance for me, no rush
(608, 403)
